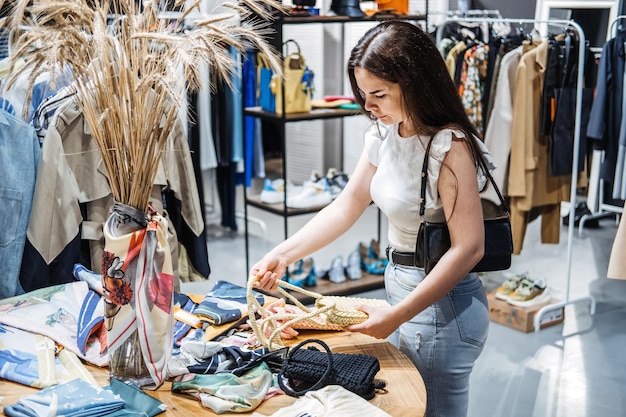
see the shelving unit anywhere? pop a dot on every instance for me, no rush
(348, 287)
(367, 282)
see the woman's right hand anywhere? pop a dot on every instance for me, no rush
(267, 272)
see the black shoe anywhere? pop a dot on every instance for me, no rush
(348, 8)
(580, 211)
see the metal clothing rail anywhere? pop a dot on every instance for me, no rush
(577, 127)
(596, 194)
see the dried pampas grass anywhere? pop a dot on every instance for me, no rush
(131, 67)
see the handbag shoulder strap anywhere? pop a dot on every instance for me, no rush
(324, 380)
(262, 61)
(424, 180)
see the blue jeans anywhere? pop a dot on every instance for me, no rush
(444, 340)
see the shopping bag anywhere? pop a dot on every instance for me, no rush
(265, 97)
(296, 84)
(394, 6)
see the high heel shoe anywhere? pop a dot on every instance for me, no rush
(370, 262)
(353, 270)
(311, 278)
(336, 273)
(303, 275)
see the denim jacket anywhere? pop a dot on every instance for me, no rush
(19, 157)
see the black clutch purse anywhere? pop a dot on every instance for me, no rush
(311, 369)
(433, 237)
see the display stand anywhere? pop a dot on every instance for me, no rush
(577, 127)
(282, 119)
(596, 193)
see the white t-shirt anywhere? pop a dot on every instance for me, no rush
(396, 185)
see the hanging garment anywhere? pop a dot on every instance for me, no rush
(529, 185)
(47, 109)
(452, 57)
(202, 114)
(73, 199)
(473, 75)
(606, 110)
(255, 160)
(223, 126)
(564, 103)
(39, 91)
(498, 47)
(498, 136)
(619, 183)
(19, 158)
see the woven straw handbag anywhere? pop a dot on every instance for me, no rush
(329, 313)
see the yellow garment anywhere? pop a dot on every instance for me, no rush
(5, 66)
(452, 55)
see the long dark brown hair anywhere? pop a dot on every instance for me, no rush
(400, 52)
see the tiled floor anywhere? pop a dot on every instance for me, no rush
(568, 370)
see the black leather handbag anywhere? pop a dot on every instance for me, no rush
(433, 237)
(311, 369)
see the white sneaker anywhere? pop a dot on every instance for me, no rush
(313, 194)
(530, 292)
(274, 191)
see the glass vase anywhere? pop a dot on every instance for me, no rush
(138, 293)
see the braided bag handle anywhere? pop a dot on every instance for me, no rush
(336, 312)
(270, 320)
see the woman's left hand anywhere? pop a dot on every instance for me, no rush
(380, 323)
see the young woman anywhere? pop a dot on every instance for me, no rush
(439, 320)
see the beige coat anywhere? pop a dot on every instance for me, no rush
(71, 172)
(530, 185)
(617, 261)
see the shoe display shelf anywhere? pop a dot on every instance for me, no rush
(368, 281)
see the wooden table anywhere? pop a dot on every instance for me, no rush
(405, 392)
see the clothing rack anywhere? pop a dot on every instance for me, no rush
(473, 13)
(577, 127)
(483, 13)
(595, 196)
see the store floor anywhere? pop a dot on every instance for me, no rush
(572, 369)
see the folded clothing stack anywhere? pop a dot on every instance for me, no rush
(335, 102)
